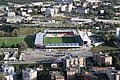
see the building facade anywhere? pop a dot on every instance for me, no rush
(29, 74)
(102, 58)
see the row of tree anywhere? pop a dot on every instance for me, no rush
(22, 46)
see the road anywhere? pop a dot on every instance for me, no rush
(40, 56)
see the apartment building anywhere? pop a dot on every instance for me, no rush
(102, 58)
(29, 74)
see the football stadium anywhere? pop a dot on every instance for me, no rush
(58, 39)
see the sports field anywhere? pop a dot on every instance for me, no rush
(14, 40)
(52, 40)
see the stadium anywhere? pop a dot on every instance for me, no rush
(58, 39)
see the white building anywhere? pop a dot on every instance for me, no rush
(69, 7)
(63, 8)
(8, 72)
(51, 12)
(23, 13)
(85, 38)
(43, 9)
(29, 74)
(37, 3)
(91, 1)
(82, 10)
(118, 33)
(7, 69)
(14, 19)
(112, 73)
(11, 14)
(8, 77)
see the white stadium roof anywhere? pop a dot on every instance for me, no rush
(39, 38)
(60, 31)
(62, 45)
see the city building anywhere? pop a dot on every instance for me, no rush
(8, 72)
(85, 37)
(74, 61)
(102, 58)
(29, 74)
(14, 19)
(112, 73)
(8, 77)
(11, 14)
(118, 33)
(10, 53)
(69, 7)
(63, 8)
(8, 69)
(51, 11)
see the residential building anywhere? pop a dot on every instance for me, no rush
(11, 14)
(118, 33)
(8, 77)
(69, 7)
(8, 72)
(14, 19)
(29, 74)
(55, 75)
(112, 73)
(8, 69)
(49, 12)
(71, 72)
(63, 8)
(82, 10)
(102, 58)
(73, 61)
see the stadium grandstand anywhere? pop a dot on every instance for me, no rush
(58, 39)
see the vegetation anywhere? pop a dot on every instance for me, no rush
(50, 40)
(103, 48)
(28, 31)
(13, 41)
(115, 59)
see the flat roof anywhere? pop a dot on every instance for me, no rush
(59, 30)
(39, 38)
(62, 45)
(84, 36)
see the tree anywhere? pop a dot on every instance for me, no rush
(3, 45)
(23, 46)
(106, 38)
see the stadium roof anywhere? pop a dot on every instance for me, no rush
(39, 38)
(60, 31)
(84, 36)
(62, 45)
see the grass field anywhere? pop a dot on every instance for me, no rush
(102, 48)
(13, 40)
(50, 40)
(28, 31)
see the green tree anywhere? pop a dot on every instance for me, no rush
(23, 46)
(3, 45)
(106, 37)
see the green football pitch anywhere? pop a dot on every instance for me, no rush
(50, 40)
